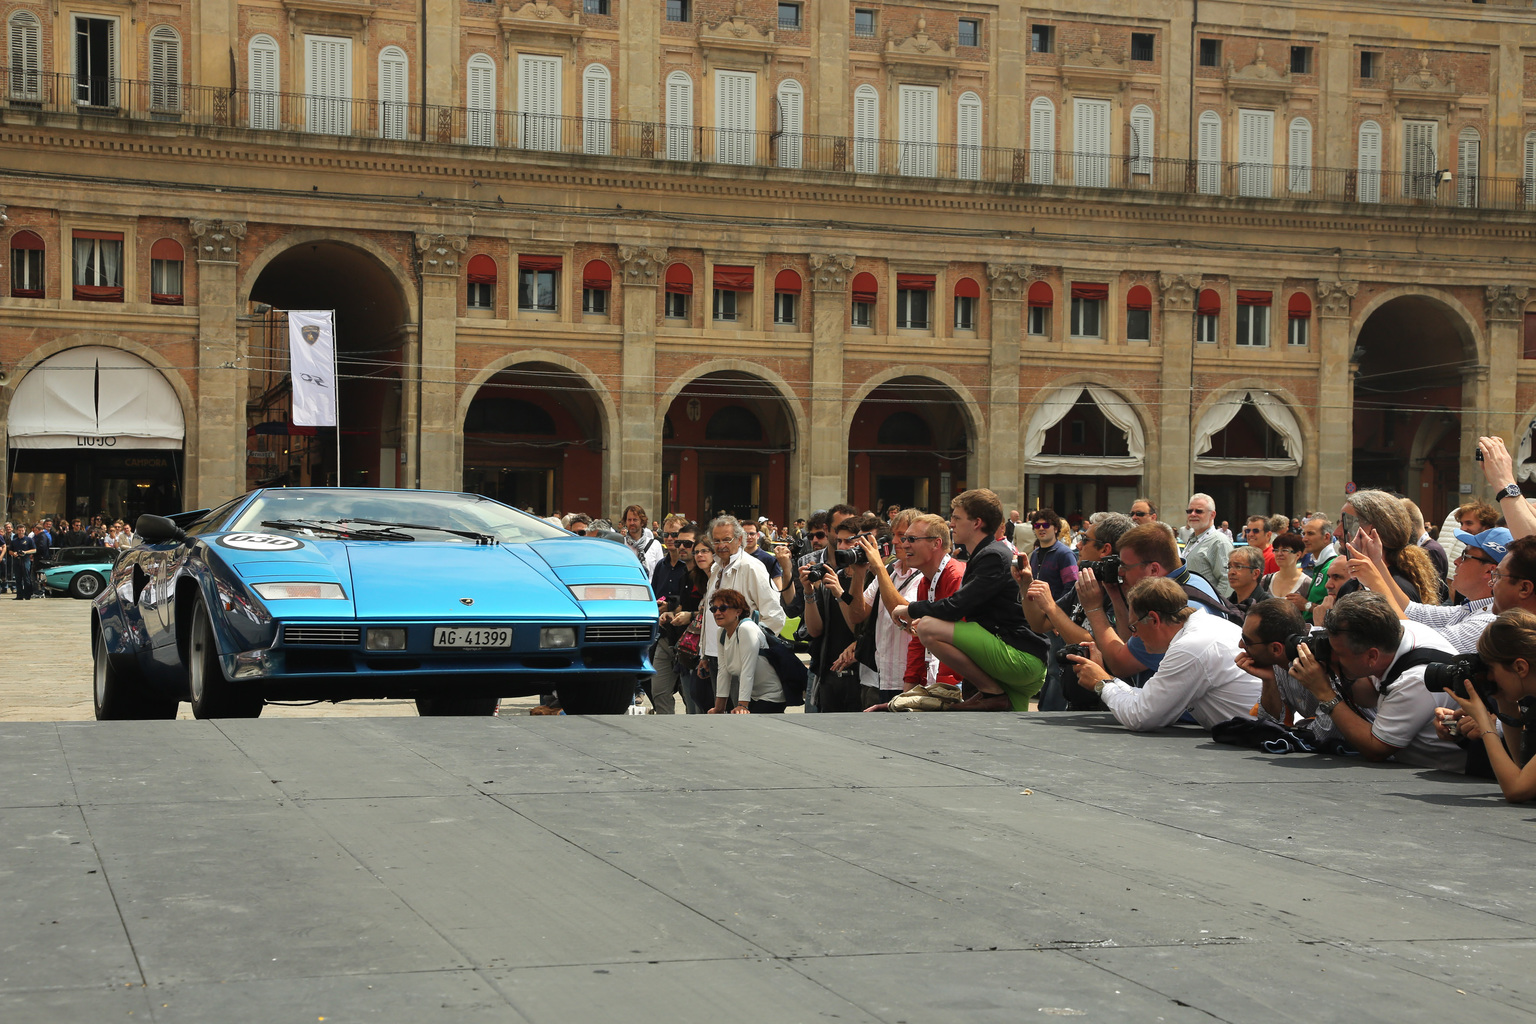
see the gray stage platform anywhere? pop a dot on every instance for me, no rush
(850, 868)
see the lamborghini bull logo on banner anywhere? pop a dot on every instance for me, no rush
(312, 352)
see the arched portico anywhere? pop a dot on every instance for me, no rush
(914, 438)
(1250, 444)
(1084, 442)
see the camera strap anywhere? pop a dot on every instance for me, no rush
(1413, 659)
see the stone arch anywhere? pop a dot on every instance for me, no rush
(1080, 378)
(1469, 327)
(398, 274)
(913, 478)
(1301, 490)
(975, 419)
(791, 400)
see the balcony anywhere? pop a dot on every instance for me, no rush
(500, 130)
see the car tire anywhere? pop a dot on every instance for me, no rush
(86, 585)
(608, 697)
(438, 707)
(121, 693)
(213, 695)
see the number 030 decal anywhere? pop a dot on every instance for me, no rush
(259, 542)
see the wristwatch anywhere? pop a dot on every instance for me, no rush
(1327, 706)
(1510, 491)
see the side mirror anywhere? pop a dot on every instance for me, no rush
(158, 530)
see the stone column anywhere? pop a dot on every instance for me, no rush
(1170, 462)
(1332, 464)
(438, 462)
(639, 66)
(439, 60)
(1492, 393)
(1004, 472)
(825, 452)
(637, 448)
(215, 466)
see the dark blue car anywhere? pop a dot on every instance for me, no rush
(295, 594)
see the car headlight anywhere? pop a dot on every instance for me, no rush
(387, 639)
(300, 591)
(610, 592)
(557, 636)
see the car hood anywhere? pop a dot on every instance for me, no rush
(428, 580)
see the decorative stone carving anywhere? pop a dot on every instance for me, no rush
(218, 241)
(1506, 301)
(441, 254)
(330, 15)
(1179, 291)
(641, 264)
(738, 34)
(1259, 81)
(920, 44)
(1423, 92)
(540, 19)
(1334, 297)
(1008, 281)
(829, 271)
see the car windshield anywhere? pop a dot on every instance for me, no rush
(405, 515)
(84, 556)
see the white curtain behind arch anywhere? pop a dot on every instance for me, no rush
(1222, 412)
(95, 393)
(1054, 408)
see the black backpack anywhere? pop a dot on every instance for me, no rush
(791, 671)
(1215, 605)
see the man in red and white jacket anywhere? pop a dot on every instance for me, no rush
(926, 542)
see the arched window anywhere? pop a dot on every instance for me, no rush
(968, 136)
(166, 261)
(165, 70)
(967, 302)
(1041, 299)
(394, 92)
(1208, 317)
(480, 101)
(1138, 313)
(1468, 158)
(482, 282)
(262, 82)
(679, 287)
(1042, 142)
(1143, 143)
(596, 101)
(1208, 174)
(1299, 178)
(733, 423)
(26, 58)
(905, 430)
(866, 130)
(786, 297)
(679, 116)
(596, 284)
(1368, 189)
(866, 290)
(27, 265)
(791, 123)
(1298, 313)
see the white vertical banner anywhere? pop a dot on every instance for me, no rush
(312, 356)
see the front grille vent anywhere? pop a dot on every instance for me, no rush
(322, 634)
(619, 633)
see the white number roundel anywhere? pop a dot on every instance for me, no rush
(260, 542)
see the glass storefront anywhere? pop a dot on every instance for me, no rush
(116, 485)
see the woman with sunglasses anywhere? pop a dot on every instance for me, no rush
(746, 682)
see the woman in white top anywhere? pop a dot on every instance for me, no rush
(1291, 577)
(745, 674)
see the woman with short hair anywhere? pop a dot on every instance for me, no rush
(746, 677)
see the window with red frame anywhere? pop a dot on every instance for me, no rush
(167, 260)
(97, 259)
(27, 265)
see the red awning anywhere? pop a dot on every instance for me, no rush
(26, 240)
(157, 299)
(965, 288)
(1300, 306)
(734, 279)
(98, 293)
(914, 282)
(1210, 303)
(104, 236)
(167, 249)
(597, 275)
(787, 283)
(1138, 299)
(679, 279)
(538, 263)
(1246, 298)
(482, 269)
(865, 288)
(1090, 291)
(1040, 296)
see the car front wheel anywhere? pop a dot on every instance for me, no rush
(121, 694)
(86, 585)
(213, 696)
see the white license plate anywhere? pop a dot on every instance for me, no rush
(479, 637)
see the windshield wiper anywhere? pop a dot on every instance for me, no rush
(478, 538)
(335, 527)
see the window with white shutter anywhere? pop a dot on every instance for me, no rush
(1529, 177)
(968, 136)
(538, 102)
(165, 70)
(328, 85)
(918, 130)
(1368, 186)
(262, 82)
(735, 117)
(95, 61)
(1468, 159)
(394, 95)
(1299, 178)
(1090, 143)
(679, 116)
(866, 130)
(1042, 142)
(1255, 152)
(26, 57)
(480, 101)
(1208, 171)
(1143, 143)
(791, 123)
(1420, 162)
(596, 100)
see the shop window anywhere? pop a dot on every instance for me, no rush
(27, 265)
(596, 285)
(538, 282)
(98, 266)
(482, 282)
(167, 260)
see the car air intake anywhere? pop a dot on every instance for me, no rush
(322, 634)
(619, 633)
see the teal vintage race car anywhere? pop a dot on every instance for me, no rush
(79, 572)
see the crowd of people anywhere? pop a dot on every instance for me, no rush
(28, 548)
(1349, 632)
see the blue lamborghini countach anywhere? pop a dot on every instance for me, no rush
(311, 594)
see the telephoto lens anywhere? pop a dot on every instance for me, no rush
(1453, 674)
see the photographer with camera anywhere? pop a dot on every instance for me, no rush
(926, 540)
(1382, 661)
(1197, 670)
(1507, 657)
(843, 573)
(1273, 634)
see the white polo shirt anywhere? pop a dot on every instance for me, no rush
(1199, 674)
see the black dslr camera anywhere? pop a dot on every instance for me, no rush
(851, 556)
(1081, 650)
(1105, 570)
(1452, 675)
(1318, 643)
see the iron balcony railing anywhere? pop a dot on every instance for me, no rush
(645, 140)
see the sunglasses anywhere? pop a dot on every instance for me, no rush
(685, 543)
(1042, 526)
(1197, 511)
(669, 536)
(913, 538)
(820, 535)
(1140, 515)
(718, 608)
(1253, 530)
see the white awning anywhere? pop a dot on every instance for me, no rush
(1275, 412)
(1054, 409)
(95, 398)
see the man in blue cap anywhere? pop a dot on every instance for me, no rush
(1477, 573)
